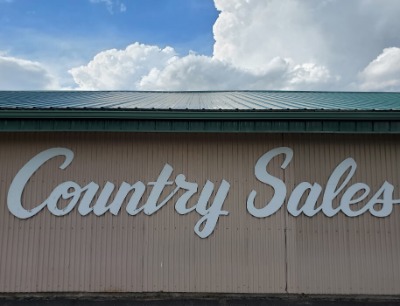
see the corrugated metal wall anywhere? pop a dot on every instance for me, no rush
(161, 252)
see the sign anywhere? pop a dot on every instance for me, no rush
(90, 199)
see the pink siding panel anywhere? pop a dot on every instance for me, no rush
(161, 252)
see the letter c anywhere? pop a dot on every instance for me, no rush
(23, 176)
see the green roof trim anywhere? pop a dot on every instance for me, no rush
(199, 125)
(236, 111)
(147, 114)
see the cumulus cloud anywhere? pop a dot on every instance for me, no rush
(249, 34)
(383, 73)
(342, 36)
(144, 67)
(196, 72)
(20, 74)
(267, 44)
(121, 69)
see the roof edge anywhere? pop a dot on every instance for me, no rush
(190, 114)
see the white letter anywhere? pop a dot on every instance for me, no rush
(331, 192)
(386, 191)
(84, 206)
(21, 179)
(191, 188)
(210, 215)
(131, 208)
(63, 190)
(309, 206)
(102, 206)
(278, 185)
(151, 205)
(347, 199)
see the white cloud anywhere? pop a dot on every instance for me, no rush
(267, 44)
(249, 34)
(383, 73)
(121, 69)
(20, 74)
(112, 5)
(143, 67)
(342, 36)
(195, 72)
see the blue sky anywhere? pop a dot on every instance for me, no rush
(33, 28)
(200, 44)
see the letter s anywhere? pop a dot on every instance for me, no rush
(279, 186)
(21, 179)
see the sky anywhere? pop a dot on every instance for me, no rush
(172, 45)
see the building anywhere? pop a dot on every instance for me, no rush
(261, 197)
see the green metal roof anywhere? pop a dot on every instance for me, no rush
(228, 111)
(224, 100)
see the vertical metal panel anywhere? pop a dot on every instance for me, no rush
(161, 252)
(140, 253)
(342, 255)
